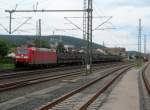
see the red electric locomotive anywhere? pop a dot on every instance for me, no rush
(35, 57)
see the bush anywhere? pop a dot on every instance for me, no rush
(3, 48)
(7, 63)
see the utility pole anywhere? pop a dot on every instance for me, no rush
(91, 32)
(103, 44)
(10, 21)
(39, 31)
(145, 41)
(139, 38)
(89, 35)
(84, 20)
(38, 27)
(10, 31)
(85, 61)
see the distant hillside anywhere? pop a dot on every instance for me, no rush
(132, 53)
(67, 40)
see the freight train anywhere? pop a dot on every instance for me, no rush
(43, 57)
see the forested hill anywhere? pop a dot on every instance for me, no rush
(68, 40)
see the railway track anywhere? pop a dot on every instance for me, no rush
(81, 98)
(31, 72)
(144, 84)
(145, 79)
(11, 74)
(41, 73)
(44, 73)
(29, 81)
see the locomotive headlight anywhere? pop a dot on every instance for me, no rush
(17, 56)
(26, 57)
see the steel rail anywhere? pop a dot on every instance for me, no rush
(24, 73)
(8, 86)
(94, 97)
(32, 72)
(67, 95)
(12, 85)
(146, 82)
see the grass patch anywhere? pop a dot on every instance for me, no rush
(138, 63)
(6, 63)
(7, 66)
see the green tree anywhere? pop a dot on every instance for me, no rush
(3, 48)
(60, 48)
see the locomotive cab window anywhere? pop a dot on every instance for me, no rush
(22, 51)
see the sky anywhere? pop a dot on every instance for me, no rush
(120, 31)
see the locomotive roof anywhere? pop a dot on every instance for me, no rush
(39, 49)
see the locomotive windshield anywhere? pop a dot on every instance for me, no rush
(22, 51)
